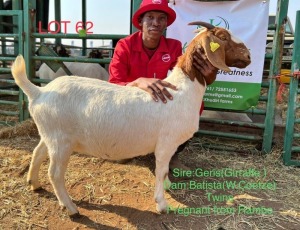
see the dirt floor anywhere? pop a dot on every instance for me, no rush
(120, 196)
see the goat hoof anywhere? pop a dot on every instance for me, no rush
(161, 210)
(123, 161)
(75, 216)
(37, 190)
(34, 188)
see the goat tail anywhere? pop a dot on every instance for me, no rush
(18, 70)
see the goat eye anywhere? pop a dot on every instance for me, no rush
(223, 38)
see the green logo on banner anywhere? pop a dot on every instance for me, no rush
(232, 95)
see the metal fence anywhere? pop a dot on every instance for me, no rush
(292, 131)
(10, 97)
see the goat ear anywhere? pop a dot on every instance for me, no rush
(215, 52)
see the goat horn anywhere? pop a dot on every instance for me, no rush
(200, 23)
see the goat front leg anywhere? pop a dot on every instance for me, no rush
(59, 158)
(162, 160)
(39, 155)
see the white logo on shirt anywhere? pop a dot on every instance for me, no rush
(166, 58)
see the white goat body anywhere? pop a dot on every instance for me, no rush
(115, 122)
(90, 70)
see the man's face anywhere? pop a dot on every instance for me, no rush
(154, 23)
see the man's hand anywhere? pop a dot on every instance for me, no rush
(203, 65)
(156, 87)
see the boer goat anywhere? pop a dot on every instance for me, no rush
(104, 120)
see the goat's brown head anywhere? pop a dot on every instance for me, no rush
(222, 49)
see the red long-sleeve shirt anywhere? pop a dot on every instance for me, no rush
(130, 60)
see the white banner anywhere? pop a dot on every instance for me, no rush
(247, 19)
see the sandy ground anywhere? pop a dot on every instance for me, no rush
(120, 196)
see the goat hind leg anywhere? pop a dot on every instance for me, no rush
(39, 155)
(59, 159)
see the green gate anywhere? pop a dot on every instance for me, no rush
(10, 97)
(292, 132)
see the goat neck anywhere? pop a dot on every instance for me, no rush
(185, 62)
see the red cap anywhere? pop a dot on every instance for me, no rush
(152, 5)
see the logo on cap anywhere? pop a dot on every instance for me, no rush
(156, 1)
(166, 58)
